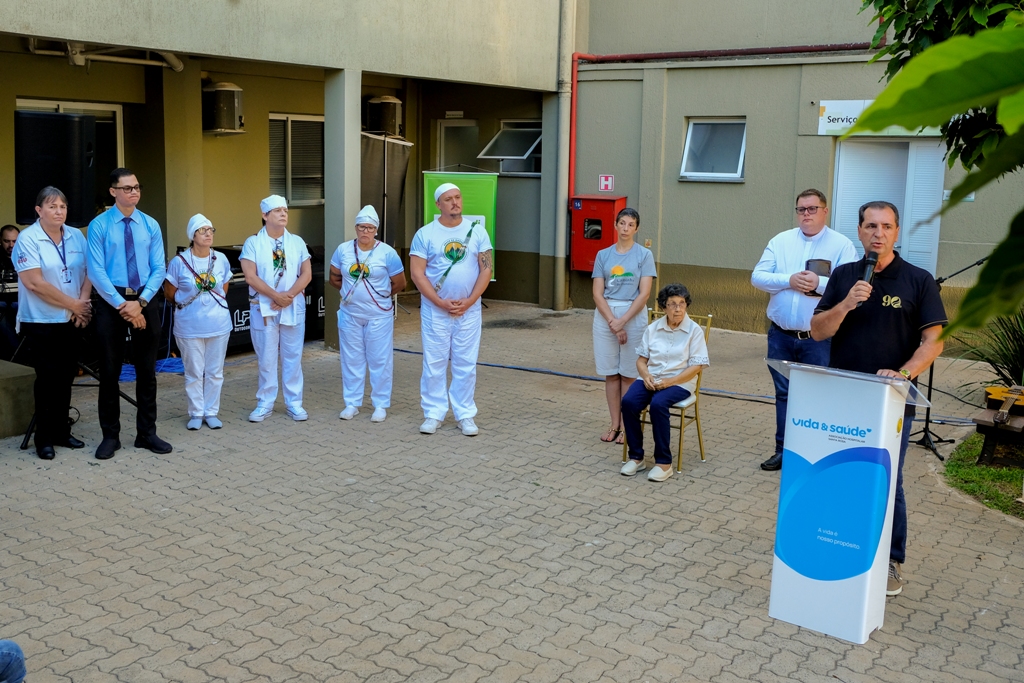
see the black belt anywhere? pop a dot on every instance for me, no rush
(797, 334)
(128, 293)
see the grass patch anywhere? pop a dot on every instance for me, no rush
(992, 486)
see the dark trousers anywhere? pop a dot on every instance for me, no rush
(53, 348)
(781, 346)
(657, 403)
(111, 333)
(898, 550)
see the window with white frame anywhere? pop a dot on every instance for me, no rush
(297, 158)
(517, 147)
(714, 150)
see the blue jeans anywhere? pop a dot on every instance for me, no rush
(657, 403)
(783, 347)
(898, 550)
(12, 662)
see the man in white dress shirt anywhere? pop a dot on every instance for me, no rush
(794, 270)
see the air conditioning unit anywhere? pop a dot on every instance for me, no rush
(222, 109)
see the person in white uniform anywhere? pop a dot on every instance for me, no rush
(277, 269)
(366, 272)
(197, 282)
(450, 263)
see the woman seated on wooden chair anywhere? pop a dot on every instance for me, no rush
(671, 354)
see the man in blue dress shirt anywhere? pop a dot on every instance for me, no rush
(126, 266)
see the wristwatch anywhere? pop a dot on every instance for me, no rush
(143, 302)
(905, 372)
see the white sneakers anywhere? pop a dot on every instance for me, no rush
(379, 415)
(631, 467)
(298, 413)
(349, 413)
(468, 427)
(429, 426)
(261, 413)
(194, 423)
(658, 474)
(213, 423)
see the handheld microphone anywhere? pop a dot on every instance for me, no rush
(870, 261)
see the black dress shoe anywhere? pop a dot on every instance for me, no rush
(72, 442)
(45, 452)
(153, 443)
(107, 447)
(773, 463)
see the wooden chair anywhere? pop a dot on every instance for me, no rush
(682, 410)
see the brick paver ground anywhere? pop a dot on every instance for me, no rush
(350, 551)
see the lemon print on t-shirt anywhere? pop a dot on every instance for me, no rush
(454, 251)
(205, 282)
(357, 268)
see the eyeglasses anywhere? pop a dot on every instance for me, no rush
(129, 189)
(809, 210)
(675, 304)
(366, 228)
(206, 231)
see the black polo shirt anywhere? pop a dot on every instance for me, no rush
(886, 330)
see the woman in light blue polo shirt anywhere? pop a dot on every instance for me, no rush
(53, 302)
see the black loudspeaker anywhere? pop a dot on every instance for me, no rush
(59, 150)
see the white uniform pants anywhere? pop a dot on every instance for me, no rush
(366, 342)
(204, 373)
(267, 339)
(449, 337)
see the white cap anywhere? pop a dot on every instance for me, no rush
(368, 216)
(274, 201)
(196, 222)
(444, 187)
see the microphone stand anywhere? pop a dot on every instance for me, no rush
(929, 439)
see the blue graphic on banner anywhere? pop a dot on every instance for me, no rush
(831, 513)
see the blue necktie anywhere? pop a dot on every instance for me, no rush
(129, 256)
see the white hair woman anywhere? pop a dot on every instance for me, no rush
(366, 272)
(197, 282)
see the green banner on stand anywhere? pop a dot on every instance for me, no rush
(479, 198)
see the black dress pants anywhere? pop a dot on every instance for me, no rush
(54, 351)
(111, 333)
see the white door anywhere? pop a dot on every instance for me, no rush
(909, 174)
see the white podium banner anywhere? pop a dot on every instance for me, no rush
(836, 495)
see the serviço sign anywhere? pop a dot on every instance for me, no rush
(836, 117)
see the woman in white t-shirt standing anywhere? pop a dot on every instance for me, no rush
(623, 274)
(53, 300)
(197, 282)
(366, 272)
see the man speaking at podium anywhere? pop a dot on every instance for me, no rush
(884, 320)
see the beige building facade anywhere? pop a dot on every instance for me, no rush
(635, 113)
(463, 71)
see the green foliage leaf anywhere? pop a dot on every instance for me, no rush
(1000, 287)
(948, 79)
(1006, 158)
(1011, 112)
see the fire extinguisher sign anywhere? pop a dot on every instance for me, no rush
(606, 183)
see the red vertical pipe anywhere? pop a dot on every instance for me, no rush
(576, 56)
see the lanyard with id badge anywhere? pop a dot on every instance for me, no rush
(62, 251)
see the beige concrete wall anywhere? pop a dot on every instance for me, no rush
(616, 27)
(501, 42)
(633, 122)
(236, 169)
